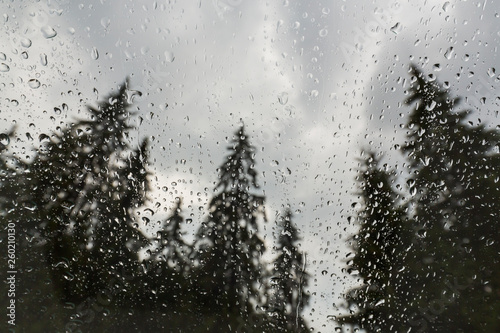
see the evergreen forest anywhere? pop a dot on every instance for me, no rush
(426, 253)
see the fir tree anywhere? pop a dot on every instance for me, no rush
(289, 280)
(378, 252)
(172, 249)
(76, 201)
(441, 271)
(229, 243)
(455, 194)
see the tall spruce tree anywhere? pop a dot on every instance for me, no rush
(171, 265)
(289, 279)
(377, 305)
(172, 249)
(447, 272)
(229, 244)
(456, 200)
(37, 308)
(79, 193)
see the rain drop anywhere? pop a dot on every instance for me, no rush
(4, 139)
(34, 83)
(26, 42)
(132, 95)
(283, 98)
(94, 54)
(105, 22)
(4, 67)
(43, 137)
(48, 32)
(43, 59)
(169, 56)
(396, 28)
(449, 53)
(279, 24)
(323, 32)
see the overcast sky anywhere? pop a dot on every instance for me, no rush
(315, 82)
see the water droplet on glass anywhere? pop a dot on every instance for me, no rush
(396, 28)
(94, 54)
(422, 233)
(325, 11)
(105, 22)
(323, 32)
(314, 93)
(413, 191)
(43, 59)
(4, 67)
(278, 25)
(491, 72)
(4, 139)
(24, 55)
(431, 106)
(43, 137)
(69, 306)
(132, 95)
(48, 32)
(446, 6)
(3, 56)
(449, 53)
(34, 83)
(169, 56)
(283, 98)
(26, 42)
(61, 264)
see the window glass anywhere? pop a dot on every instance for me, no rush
(249, 166)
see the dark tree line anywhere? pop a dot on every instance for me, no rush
(427, 254)
(78, 239)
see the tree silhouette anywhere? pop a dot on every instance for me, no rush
(80, 191)
(172, 249)
(170, 268)
(228, 242)
(289, 279)
(37, 309)
(456, 167)
(379, 252)
(96, 180)
(432, 265)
